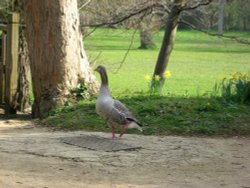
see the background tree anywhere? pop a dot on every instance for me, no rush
(21, 99)
(169, 38)
(237, 15)
(58, 60)
(221, 17)
(146, 29)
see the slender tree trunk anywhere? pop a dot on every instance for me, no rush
(167, 44)
(221, 17)
(58, 61)
(146, 36)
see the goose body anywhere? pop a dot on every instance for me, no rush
(114, 112)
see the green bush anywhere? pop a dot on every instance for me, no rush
(80, 92)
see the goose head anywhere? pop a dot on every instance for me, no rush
(103, 73)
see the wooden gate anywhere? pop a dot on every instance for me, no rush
(9, 62)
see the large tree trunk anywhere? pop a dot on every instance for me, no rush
(58, 61)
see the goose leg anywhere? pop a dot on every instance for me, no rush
(124, 128)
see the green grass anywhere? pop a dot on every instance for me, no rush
(197, 60)
(185, 106)
(162, 116)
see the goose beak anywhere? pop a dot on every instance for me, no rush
(98, 69)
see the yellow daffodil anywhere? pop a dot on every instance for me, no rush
(167, 74)
(245, 77)
(157, 77)
(236, 76)
(147, 77)
(224, 79)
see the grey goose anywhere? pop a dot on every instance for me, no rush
(114, 112)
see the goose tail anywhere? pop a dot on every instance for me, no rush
(135, 124)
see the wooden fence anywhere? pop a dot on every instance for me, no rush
(9, 62)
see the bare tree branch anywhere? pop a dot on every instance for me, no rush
(237, 39)
(89, 33)
(126, 53)
(116, 19)
(93, 62)
(196, 5)
(131, 43)
(84, 4)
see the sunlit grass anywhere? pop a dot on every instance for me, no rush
(162, 116)
(196, 62)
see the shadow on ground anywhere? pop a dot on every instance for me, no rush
(18, 116)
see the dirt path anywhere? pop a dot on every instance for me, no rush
(35, 157)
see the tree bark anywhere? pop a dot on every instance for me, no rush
(58, 61)
(22, 95)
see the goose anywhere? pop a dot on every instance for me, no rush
(114, 112)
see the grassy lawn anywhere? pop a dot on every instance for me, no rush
(197, 61)
(185, 106)
(162, 116)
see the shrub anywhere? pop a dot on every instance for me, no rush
(80, 92)
(235, 88)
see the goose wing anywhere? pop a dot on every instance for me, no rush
(120, 113)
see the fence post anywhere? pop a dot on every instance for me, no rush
(11, 63)
(2, 66)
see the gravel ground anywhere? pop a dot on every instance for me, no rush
(35, 157)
